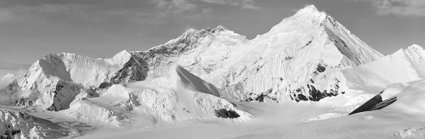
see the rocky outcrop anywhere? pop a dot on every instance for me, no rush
(375, 103)
(135, 69)
(196, 83)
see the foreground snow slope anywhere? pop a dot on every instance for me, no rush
(400, 120)
(411, 99)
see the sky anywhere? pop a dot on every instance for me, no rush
(30, 29)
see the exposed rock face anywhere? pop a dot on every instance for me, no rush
(63, 95)
(196, 83)
(375, 103)
(134, 70)
(223, 113)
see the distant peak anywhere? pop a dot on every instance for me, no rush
(51, 56)
(190, 31)
(122, 56)
(193, 33)
(219, 28)
(308, 14)
(124, 52)
(415, 47)
(310, 9)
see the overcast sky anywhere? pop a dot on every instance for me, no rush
(30, 29)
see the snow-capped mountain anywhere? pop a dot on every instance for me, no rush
(53, 81)
(299, 58)
(202, 74)
(84, 88)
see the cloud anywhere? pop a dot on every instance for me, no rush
(21, 13)
(175, 6)
(246, 4)
(187, 7)
(400, 7)
(5, 15)
(148, 11)
(69, 12)
(180, 8)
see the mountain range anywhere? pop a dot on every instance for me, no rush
(213, 74)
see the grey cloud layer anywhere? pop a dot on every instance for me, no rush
(399, 7)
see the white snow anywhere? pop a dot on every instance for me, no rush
(298, 80)
(150, 104)
(411, 99)
(377, 75)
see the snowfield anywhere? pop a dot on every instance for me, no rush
(308, 77)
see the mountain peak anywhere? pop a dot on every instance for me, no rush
(309, 10)
(191, 38)
(122, 57)
(219, 28)
(414, 47)
(304, 18)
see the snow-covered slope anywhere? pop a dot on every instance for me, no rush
(411, 99)
(154, 102)
(398, 121)
(403, 66)
(416, 56)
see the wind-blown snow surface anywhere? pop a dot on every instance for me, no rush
(299, 80)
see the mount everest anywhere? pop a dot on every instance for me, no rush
(216, 75)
